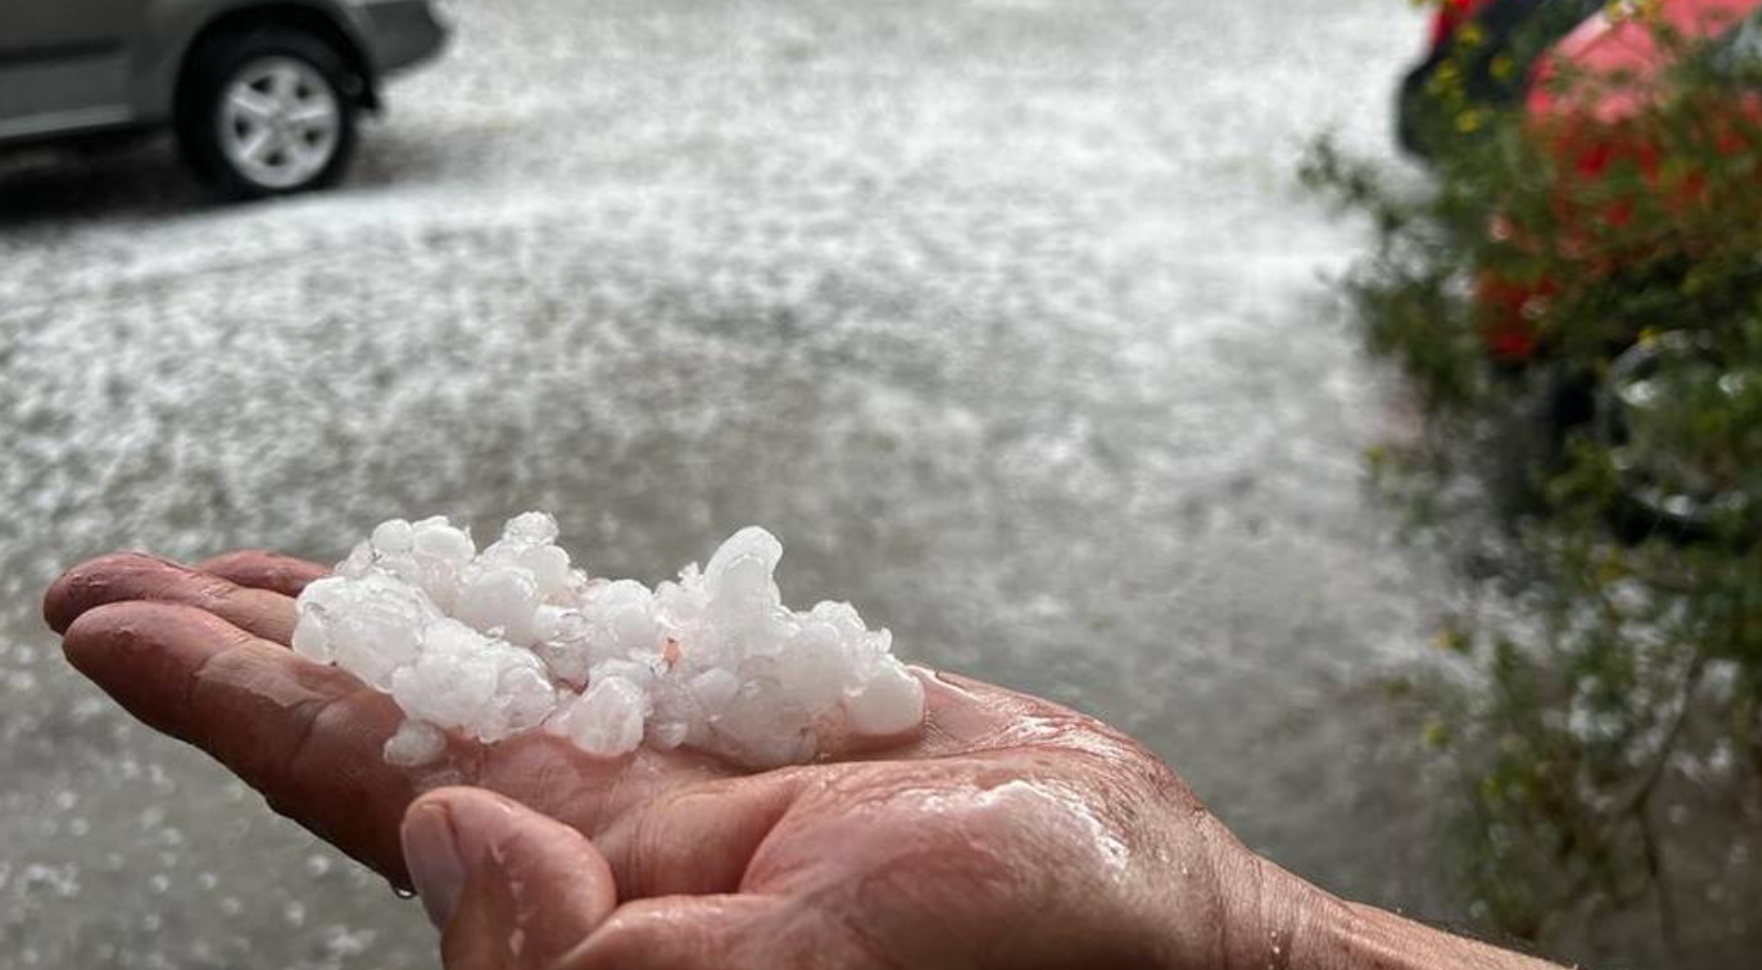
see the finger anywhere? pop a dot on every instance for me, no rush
(509, 887)
(722, 932)
(698, 839)
(312, 738)
(309, 737)
(262, 569)
(125, 576)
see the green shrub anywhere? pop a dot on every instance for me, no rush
(1618, 664)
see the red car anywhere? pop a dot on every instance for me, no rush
(1587, 127)
(1595, 130)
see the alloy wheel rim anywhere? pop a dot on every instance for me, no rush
(1661, 482)
(280, 122)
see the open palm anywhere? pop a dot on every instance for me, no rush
(1008, 832)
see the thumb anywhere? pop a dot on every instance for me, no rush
(508, 887)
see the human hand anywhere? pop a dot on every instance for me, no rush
(1007, 832)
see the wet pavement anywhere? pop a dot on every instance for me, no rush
(1007, 316)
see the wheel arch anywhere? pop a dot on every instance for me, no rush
(321, 20)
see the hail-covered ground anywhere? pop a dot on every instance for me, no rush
(514, 638)
(1006, 314)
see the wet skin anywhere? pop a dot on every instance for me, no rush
(1008, 832)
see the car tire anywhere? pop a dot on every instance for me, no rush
(267, 112)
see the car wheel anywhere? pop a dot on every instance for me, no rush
(267, 112)
(1661, 485)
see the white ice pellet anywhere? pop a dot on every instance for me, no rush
(890, 702)
(668, 735)
(414, 744)
(393, 538)
(437, 538)
(512, 638)
(502, 600)
(607, 720)
(549, 567)
(309, 639)
(537, 528)
(714, 689)
(524, 697)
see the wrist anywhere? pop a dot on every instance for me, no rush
(1278, 919)
(1230, 909)
(1325, 932)
(1215, 905)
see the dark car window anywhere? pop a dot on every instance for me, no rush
(1511, 35)
(1519, 31)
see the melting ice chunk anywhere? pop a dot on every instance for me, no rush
(414, 744)
(606, 720)
(512, 638)
(890, 702)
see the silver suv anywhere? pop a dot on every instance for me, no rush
(263, 94)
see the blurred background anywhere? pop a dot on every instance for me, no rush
(1010, 317)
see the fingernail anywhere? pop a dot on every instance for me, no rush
(437, 869)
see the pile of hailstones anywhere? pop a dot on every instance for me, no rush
(513, 639)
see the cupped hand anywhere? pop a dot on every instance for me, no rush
(1007, 832)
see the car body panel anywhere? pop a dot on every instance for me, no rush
(70, 67)
(401, 33)
(65, 64)
(1605, 46)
